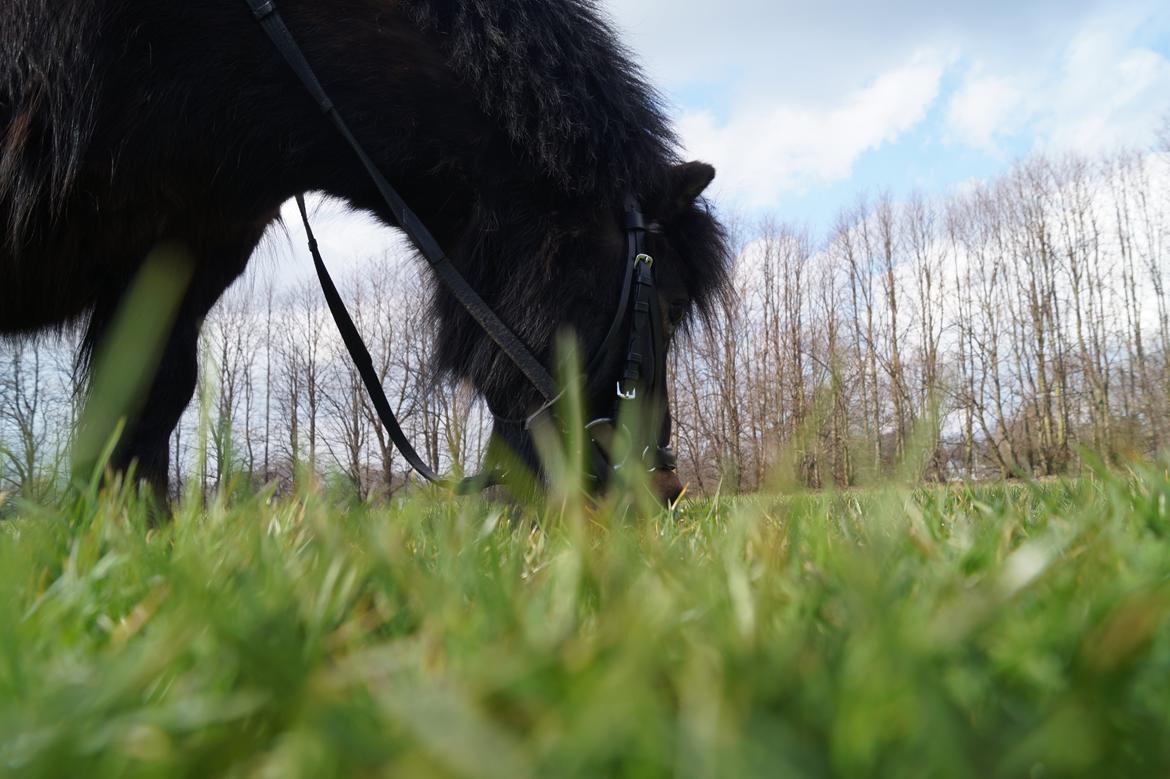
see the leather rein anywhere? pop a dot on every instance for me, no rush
(644, 366)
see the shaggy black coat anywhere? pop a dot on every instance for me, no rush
(513, 127)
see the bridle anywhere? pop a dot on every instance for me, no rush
(643, 376)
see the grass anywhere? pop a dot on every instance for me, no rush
(985, 631)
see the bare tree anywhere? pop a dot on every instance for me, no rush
(39, 408)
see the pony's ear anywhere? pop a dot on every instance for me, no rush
(687, 182)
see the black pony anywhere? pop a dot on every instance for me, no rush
(512, 127)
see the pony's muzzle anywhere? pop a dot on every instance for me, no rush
(666, 485)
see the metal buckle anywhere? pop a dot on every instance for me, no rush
(261, 10)
(646, 258)
(631, 395)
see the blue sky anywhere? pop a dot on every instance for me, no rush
(804, 107)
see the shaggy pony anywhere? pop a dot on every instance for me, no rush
(513, 127)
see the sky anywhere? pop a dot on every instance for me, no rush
(804, 107)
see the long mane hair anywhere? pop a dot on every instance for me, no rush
(50, 95)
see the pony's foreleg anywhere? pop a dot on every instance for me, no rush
(146, 440)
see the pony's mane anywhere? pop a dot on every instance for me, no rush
(556, 78)
(49, 94)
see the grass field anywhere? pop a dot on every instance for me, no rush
(986, 631)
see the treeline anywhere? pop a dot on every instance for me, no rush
(278, 397)
(282, 393)
(998, 332)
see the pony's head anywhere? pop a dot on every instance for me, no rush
(627, 381)
(577, 133)
(571, 269)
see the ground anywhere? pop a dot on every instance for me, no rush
(984, 631)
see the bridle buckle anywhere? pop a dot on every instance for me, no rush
(631, 394)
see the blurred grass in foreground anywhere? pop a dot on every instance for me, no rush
(990, 631)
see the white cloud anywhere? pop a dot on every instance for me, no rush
(1108, 92)
(1100, 89)
(775, 145)
(983, 108)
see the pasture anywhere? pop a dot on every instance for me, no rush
(961, 631)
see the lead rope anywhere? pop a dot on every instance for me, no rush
(361, 355)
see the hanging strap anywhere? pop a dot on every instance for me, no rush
(361, 357)
(365, 368)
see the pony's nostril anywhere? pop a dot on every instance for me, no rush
(667, 485)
